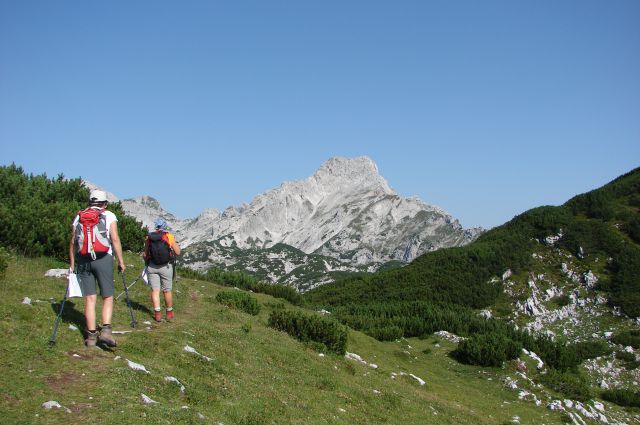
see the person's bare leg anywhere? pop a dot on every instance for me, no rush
(90, 311)
(168, 299)
(155, 299)
(168, 302)
(107, 309)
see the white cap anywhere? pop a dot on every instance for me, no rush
(98, 196)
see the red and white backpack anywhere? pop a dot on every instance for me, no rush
(92, 237)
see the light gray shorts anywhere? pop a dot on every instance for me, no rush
(160, 277)
(89, 271)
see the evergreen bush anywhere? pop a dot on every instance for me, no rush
(628, 338)
(240, 301)
(590, 349)
(572, 385)
(491, 349)
(386, 333)
(4, 261)
(36, 214)
(622, 397)
(311, 328)
(246, 282)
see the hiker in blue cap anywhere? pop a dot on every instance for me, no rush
(160, 253)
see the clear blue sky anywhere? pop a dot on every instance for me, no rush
(484, 108)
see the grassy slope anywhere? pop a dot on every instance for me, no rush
(259, 376)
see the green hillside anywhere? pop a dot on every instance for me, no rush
(560, 283)
(256, 374)
(279, 263)
(604, 222)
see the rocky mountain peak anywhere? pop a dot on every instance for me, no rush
(149, 201)
(360, 173)
(345, 211)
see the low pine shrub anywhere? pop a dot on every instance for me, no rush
(246, 282)
(628, 338)
(310, 327)
(386, 333)
(622, 397)
(240, 301)
(491, 349)
(625, 357)
(590, 349)
(4, 261)
(561, 300)
(571, 384)
(277, 290)
(629, 359)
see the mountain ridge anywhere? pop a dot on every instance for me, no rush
(345, 211)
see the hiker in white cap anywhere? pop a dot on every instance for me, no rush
(94, 240)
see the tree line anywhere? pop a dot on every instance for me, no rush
(36, 214)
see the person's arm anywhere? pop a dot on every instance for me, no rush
(145, 252)
(115, 244)
(175, 247)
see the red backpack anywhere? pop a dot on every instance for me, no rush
(92, 238)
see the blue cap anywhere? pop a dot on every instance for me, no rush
(160, 223)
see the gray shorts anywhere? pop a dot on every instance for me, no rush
(89, 270)
(160, 277)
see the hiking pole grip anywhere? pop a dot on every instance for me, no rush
(126, 291)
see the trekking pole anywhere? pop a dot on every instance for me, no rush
(52, 340)
(134, 282)
(175, 275)
(126, 291)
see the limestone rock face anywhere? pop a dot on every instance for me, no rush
(345, 207)
(345, 211)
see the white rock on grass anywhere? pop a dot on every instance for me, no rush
(147, 400)
(577, 419)
(420, 381)
(54, 405)
(353, 356)
(173, 379)
(26, 301)
(137, 366)
(535, 357)
(192, 350)
(599, 406)
(510, 383)
(57, 273)
(449, 336)
(555, 405)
